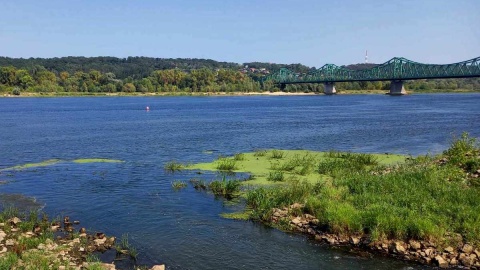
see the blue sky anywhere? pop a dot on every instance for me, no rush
(283, 31)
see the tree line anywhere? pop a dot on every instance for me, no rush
(148, 75)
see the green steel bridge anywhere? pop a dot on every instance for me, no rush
(396, 70)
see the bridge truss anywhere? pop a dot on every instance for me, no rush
(397, 69)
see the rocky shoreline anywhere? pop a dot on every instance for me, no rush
(67, 249)
(461, 255)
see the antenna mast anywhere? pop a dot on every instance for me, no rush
(366, 57)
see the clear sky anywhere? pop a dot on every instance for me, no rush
(311, 32)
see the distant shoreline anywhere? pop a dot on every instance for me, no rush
(213, 94)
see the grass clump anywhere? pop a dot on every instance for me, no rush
(226, 164)
(239, 157)
(260, 153)
(198, 184)
(126, 249)
(277, 154)
(338, 162)
(225, 188)
(9, 260)
(173, 166)
(177, 184)
(276, 176)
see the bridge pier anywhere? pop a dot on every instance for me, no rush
(397, 89)
(329, 88)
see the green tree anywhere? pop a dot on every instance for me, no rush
(23, 79)
(129, 88)
(7, 75)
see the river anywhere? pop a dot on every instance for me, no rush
(183, 229)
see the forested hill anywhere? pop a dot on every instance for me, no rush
(134, 67)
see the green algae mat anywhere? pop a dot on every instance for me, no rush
(51, 162)
(269, 167)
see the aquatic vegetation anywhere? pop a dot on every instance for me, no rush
(226, 164)
(173, 166)
(178, 184)
(225, 188)
(198, 184)
(51, 162)
(244, 215)
(32, 165)
(96, 160)
(300, 164)
(125, 248)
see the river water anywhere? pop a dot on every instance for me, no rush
(183, 229)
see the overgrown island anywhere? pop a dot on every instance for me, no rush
(82, 76)
(423, 209)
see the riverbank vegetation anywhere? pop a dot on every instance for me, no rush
(78, 76)
(381, 198)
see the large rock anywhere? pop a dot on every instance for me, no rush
(449, 249)
(397, 248)
(158, 267)
(354, 240)
(296, 206)
(467, 249)
(99, 242)
(14, 221)
(441, 262)
(429, 252)
(465, 260)
(297, 220)
(414, 245)
(108, 266)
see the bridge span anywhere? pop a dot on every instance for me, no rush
(397, 70)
